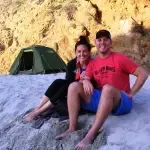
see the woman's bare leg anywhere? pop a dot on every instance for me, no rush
(33, 115)
(43, 101)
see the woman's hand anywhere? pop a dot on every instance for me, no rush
(84, 76)
(88, 87)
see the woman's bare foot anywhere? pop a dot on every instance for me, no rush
(83, 145)
(31, 116)
(63, 135)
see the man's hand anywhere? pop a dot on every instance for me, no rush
(142, 76)
(130, 95)
(88, 87)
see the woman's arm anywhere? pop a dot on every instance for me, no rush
(70, 72)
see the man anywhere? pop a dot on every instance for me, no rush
(111, 72)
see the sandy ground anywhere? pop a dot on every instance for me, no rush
(20, 93)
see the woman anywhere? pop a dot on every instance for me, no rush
(58, 89)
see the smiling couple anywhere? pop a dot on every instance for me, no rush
(112, 93)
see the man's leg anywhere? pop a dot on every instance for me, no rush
(75, 94)
(110, 99)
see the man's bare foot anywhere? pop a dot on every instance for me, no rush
(83, 145)
(63, 135)
(31, 116)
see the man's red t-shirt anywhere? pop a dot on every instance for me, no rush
(113, 70)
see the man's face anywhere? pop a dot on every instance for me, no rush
(103, 44)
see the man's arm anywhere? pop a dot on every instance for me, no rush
(141, 75)
(88, 87)
(86, 77)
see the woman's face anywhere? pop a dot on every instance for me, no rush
(82, 53)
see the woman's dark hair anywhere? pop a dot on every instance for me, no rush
(83, 41)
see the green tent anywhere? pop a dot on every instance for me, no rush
(37, 59)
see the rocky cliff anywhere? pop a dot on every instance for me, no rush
(59, 23)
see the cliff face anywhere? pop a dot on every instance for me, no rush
(59, 23)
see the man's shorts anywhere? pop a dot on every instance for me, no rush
(124, 107)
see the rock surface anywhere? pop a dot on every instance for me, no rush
(20, 93)
(16, 134)
(59, 23)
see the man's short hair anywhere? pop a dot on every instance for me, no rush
(103, 33)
